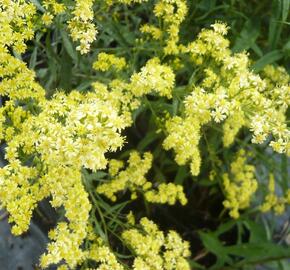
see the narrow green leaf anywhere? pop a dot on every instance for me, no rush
(66, 71)
(213, 244)
(195, 265)
(268, 58)
(280, 12)
(181, 175)
(285, 9)
(258, 233)
(68, 46)
(225, 227)
(258, 252)
(147, 140)
(33, 58)
(273, 27)
(248, 35)
(38, 5)
(84, 85)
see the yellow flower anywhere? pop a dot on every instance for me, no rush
(155, 250)
(272, 201)
(133, 177)
(47, 18)
(106, 61)
(239, 185)
(153, 77)
(166, 193)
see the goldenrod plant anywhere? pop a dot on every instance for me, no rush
(133, 118)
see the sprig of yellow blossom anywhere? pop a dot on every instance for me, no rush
(16, 24)
(52, 9)
(105, 61)
(272, 201)
(239, 185)
(81, 25)
(64, 137)
(154, 250)
(153, 77)
(238, 98)
(133, 178)
(166, 193)
(172, 13)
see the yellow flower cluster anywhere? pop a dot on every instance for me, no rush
(120, 97)
(183, 137)
(172, 13)
(105, 257)
(81, 26)
(154, 250)
(229, 92)
(17, 81)
(133, 177)
(52, 8)
(275, 76)
(105, 61)
(166, 193)
(48, 142)
(18, 195)
(96, 250)
(115, 166)
(239, 185)
(272, 201)
(153, 77)
(232, 126)
(16, 24)
(154, 31)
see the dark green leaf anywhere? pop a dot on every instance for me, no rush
(68, 45)
(267, 59)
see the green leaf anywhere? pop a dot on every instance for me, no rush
(53, 65)
(258, 233)
(98, 175)
(99, 230)
(285, 10)
(213, 244)
(68, 46)
(84, 85)
(195, 265)
(175, 106)
(38, 5)
(248, 35)
(267, 59)
(225, 227)
(280, 11)
(286, 47)
(147, 140)
(66, 71)
(181, 175)
(258, 252)
(33, 58)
